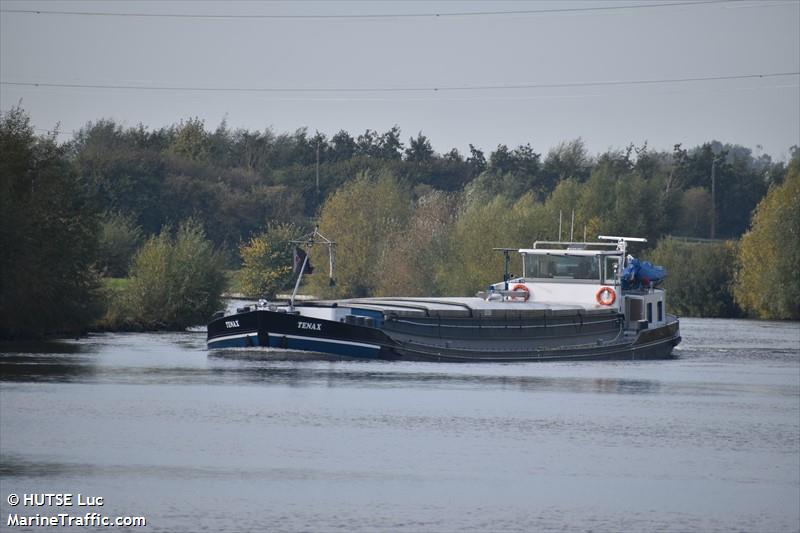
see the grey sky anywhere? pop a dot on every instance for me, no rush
(689, 41)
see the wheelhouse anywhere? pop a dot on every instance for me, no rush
(585, 274)
(588, 274)
(572, 265)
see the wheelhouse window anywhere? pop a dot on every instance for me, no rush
(611, 269)
(562, 266)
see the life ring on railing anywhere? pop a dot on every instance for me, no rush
(606, 296)
(523, 288)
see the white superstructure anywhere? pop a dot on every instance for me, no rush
(582, 274)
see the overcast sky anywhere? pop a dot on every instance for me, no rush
(578, 48)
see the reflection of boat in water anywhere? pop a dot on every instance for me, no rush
(575, 301)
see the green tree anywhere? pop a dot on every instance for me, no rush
(191, 141)
(694, 213)
(389, 144)
(119, 239)
(566, 198)
(768, 283)
(568, 160)
(267, 261)
(740, 182)
(470, 264)
(343, 146)
(123, 170)
(617, 200)
(511, 173)
(361, 217)
(48, 240)
(419, 150)
(367, 144)
(175, 282)
(411, 262)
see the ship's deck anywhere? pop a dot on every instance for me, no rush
(466, 307)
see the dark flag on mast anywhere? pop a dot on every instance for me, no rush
(299, 257)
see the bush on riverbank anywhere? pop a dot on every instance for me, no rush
(699, 277)
(175, 283)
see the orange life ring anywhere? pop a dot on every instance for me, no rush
(606, 296)
(524, 288)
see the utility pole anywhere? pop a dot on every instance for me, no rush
(713, 198)
(317, 170)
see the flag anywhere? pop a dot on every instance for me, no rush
(299, 257)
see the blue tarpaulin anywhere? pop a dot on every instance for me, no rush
(641, 274)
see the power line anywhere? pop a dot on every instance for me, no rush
(370, 16)
(68, 132)
(434, 97)
(605, 83)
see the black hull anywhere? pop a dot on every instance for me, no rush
(469, 342)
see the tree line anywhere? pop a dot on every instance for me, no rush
(235, 180)
(409, 220)
(441, 244)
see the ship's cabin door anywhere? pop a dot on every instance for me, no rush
(611, 270)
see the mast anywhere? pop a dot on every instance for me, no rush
(309, 240)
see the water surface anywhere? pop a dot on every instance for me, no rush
(239, 440)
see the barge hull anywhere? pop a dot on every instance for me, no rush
(288, 331)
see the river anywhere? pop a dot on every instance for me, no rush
(241, 441)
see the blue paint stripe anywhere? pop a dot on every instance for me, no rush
(241, 342)
(323, 347)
